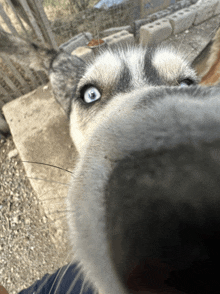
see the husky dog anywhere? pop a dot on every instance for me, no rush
(144, 199)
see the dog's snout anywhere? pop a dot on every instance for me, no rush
(166, 207)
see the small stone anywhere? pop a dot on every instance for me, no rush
(27, 221)
(45, 88)
(2, 138)
(44, 220)
(14, 219)
(12, 153)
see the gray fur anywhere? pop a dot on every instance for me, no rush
(178, 123)
(146, 183)
(147, 123)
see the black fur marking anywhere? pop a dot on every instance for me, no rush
(123, 84)
(150, 71)
(187, 81)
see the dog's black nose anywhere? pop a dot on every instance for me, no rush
(164, 207)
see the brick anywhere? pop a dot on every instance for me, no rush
(77, 41)
(182, 20)
(155, 32)
(115, 30)
(138, 23)
(83, 52)
(205, 10)
(122, 37)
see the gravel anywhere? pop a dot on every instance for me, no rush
(26, 250)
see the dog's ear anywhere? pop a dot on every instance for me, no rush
(65, 72)
(26, 52)
(200, 62)
(207, 63)
(63, 69)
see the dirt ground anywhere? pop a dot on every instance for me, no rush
(26, 250)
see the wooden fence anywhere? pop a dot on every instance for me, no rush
(32, 21)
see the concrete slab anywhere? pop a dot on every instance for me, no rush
(155, 32)
(41, 134)
(182, 20)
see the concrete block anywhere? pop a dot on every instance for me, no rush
(40, 132)
(205, 10)
(180, 5)
(162, 13)
(83, 52)
(138, 23)
(77, 41)
(111, 31)
(155, 32)
(182, 20)
(122, 37)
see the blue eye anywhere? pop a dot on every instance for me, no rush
(91, 94)
(183, 85)
(186, 83)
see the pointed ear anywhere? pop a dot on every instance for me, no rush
(64, 69)
(200, 62)
(207, 63)
(65, 73)
(25, 52)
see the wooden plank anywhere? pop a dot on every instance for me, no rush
(32, 20)
(45, 25)
(15, 72)
(41, 77)
(3, 91)
(9, 97)
(10, 83)
(31, 77)
(7, 21)
(17, 17)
